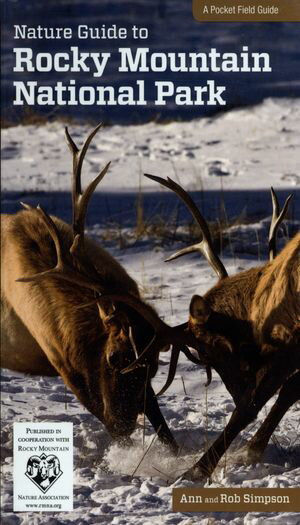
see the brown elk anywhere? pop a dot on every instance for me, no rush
(69, 308)
(247, 329)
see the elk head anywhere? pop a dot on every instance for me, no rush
(223, 334)
(209, 326)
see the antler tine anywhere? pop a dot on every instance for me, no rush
(137, 362)
(277, 218)
(205, 246)
(172, 369)
(191, 357)
(80, 200)
(176, 335)
(26, 206)
(208, 375)
(81, 209)
(78, 157)
(173, 366)
(62, 270)
(184, 251)
(131, 339)
(53, 231)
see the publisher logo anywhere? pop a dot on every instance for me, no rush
(43, 467)
(43, 471)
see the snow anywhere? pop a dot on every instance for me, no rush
(232, 147)
(240, 154)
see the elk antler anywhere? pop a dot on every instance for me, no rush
(173, 366)
(205, 246)
(163, 332)
(178, 336)
(88, 275)
(81, 199)
(63, 269)
(277, 218)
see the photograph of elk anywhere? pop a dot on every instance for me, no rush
(150, 271)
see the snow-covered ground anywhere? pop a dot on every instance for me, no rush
(239, 154)
(248, 149)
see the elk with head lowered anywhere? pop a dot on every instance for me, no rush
(69, 308)
(247, 328)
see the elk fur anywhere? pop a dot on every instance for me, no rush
(54, 327)
(247, 328)
(275, 308)
(259, 305)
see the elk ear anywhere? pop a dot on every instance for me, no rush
(199, 309)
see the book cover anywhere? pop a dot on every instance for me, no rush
(199, 110)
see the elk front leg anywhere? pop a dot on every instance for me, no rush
(288, 395)
(158, 422)
(203, 469)
(246, 412)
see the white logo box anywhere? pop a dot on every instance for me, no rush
(43, 467)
